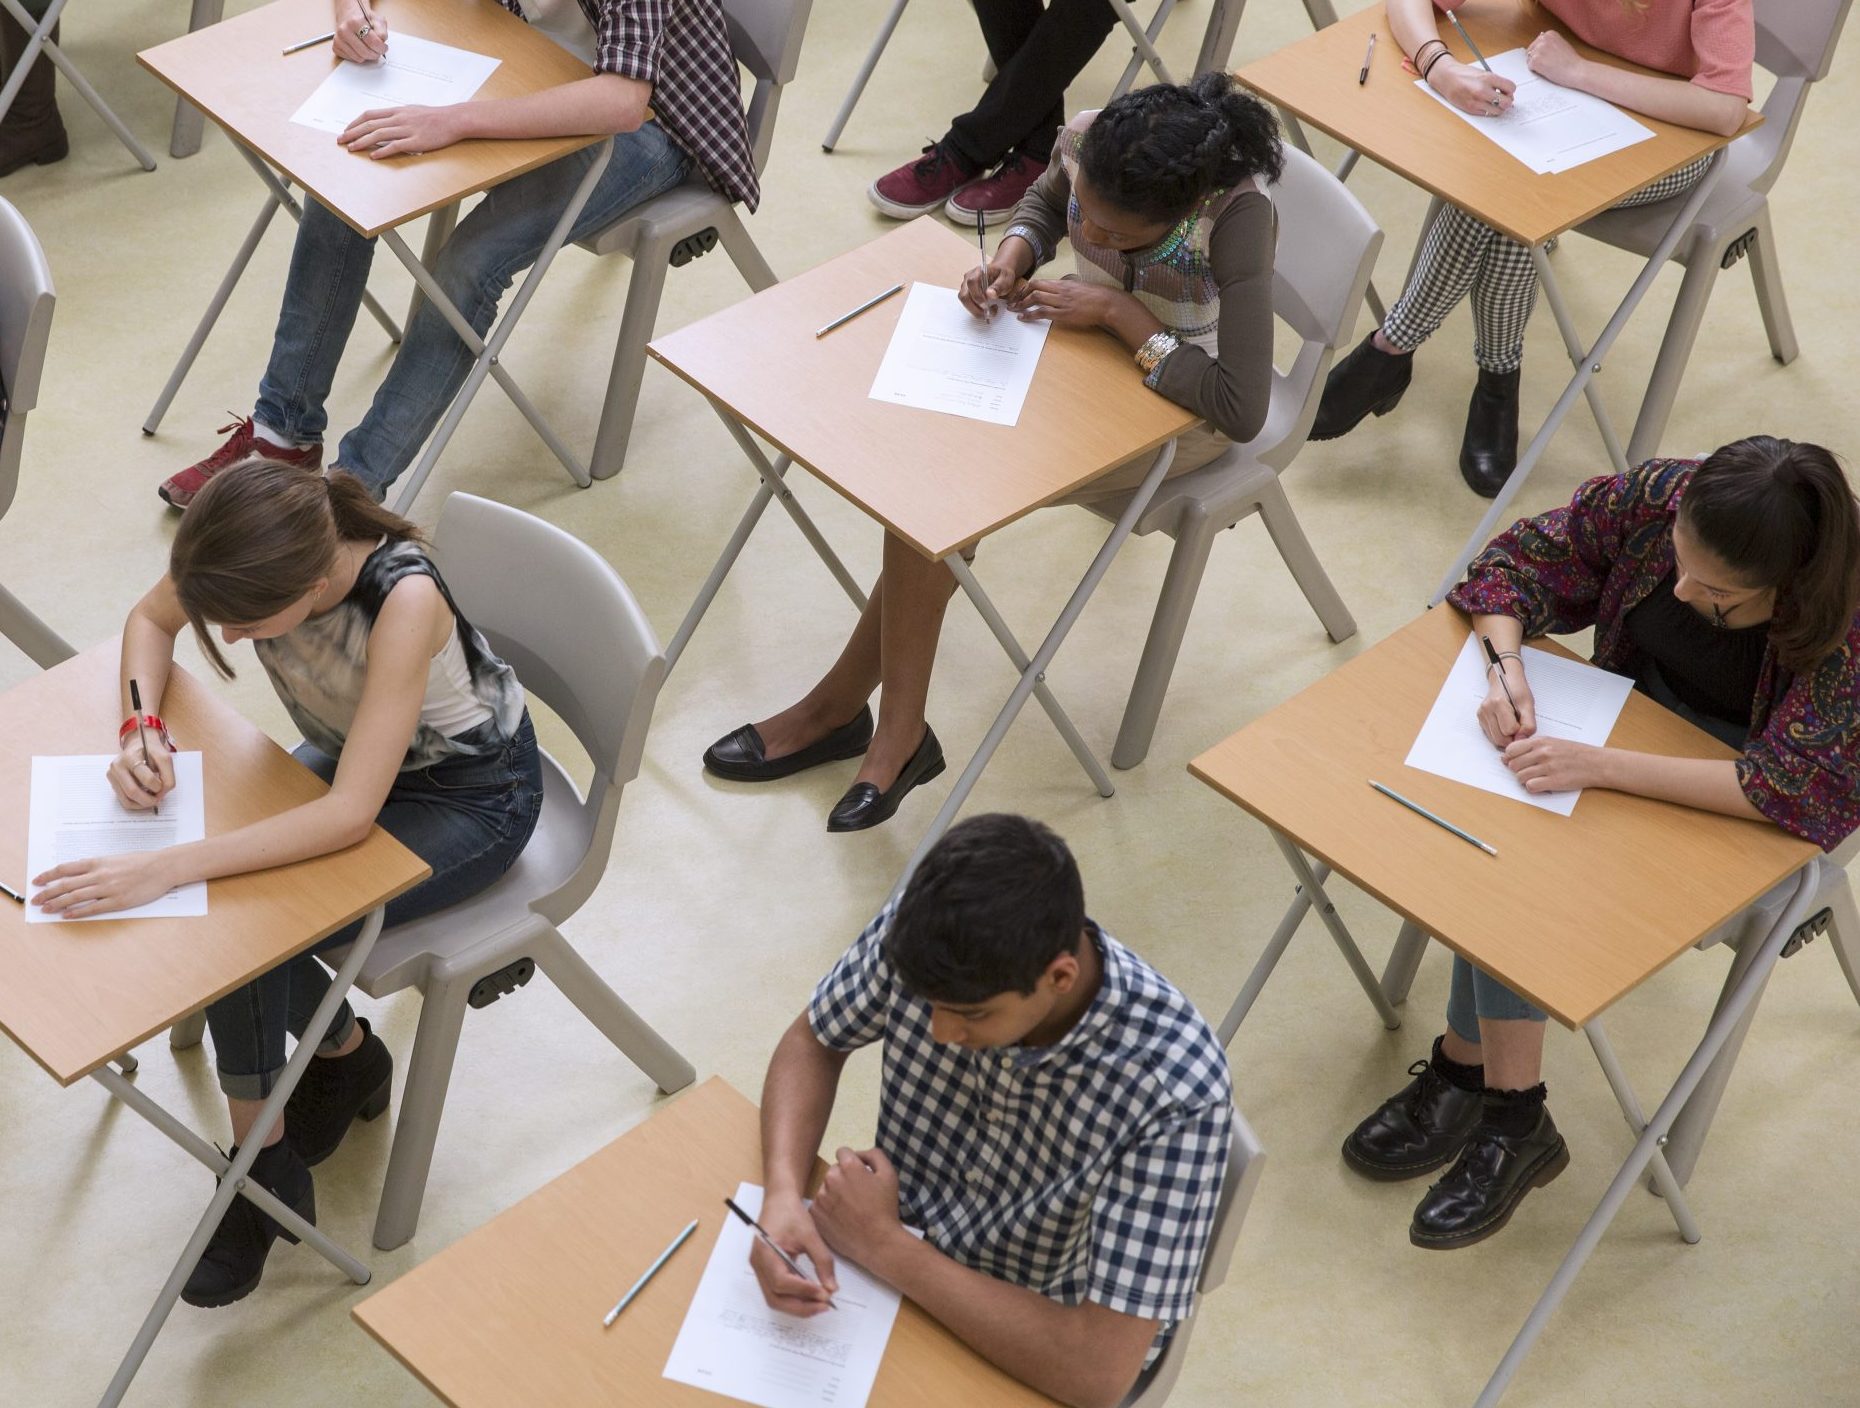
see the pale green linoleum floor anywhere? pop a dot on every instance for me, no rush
(723, 905)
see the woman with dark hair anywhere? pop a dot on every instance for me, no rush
(409, 717)
(1695, 61)
(1728, 589)
(1162, 196)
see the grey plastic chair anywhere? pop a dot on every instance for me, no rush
(1795, 41)
(26, 299)
(599, 667)
(766, 35)
(1327, 246)
(1246, 1160)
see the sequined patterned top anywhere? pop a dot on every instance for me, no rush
(1590, 563)
(1209, 281)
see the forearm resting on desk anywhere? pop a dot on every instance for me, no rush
(600, 104)
(1668, 99)
(1705, 783)
(1084, 1355)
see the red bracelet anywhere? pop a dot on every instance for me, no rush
(150, 722)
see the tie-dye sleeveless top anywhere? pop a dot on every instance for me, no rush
(318, 670)
(1174, 278)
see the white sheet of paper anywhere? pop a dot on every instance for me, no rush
(943, 359)
(73, 814)
(1573, 700)
(732, 1343)
(415, 71)
(1548, 127)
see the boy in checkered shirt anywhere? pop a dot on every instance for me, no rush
(1054, 1117)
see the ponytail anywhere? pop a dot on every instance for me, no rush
(1781, 514)
(1157, 152)
(259, 536)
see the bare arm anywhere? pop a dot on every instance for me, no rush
(1709, 784)
(797, 1097)
(1466, 86)
(1670, 99)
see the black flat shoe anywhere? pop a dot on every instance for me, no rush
(738, 756)
(234, 1260)
(334, 1092)
(1489, 447)
(1482, 1190)
(1417, 1129)
(1367, 382)
(864, 805)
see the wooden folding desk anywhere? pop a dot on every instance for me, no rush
(1573, 912)
(78, 996)
(1396, 125)
(942, 483)
(511, 1313)
(235, 71)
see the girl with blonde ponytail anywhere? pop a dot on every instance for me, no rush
(408, 716)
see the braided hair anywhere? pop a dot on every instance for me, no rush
(1157, 151)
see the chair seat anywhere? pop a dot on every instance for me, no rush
(1755, 922)
(556, 848)
(1231, 480)
(1727, 212)
(681, 211)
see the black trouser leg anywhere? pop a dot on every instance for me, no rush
(1037, 54)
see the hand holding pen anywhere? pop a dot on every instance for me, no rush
(1508, 712)
(785, 1286)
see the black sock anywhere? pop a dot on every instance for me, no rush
(1513, 1112)
(1465, 1077)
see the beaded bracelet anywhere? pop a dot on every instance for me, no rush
(1155, 348)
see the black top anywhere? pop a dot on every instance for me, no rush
(1711, 669)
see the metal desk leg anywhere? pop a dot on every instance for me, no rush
(1269, 959)
(1346, 945)
(864, 76)
(1143, 44)
(439, 227)
(1716, 1033)
(184, 140)
(486, 351)
(1033, 673)
(1630, 1108)
(1217, 41)
(1587, 366)
(1404, 962)
(234, 1181)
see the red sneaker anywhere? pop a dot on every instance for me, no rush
(996, 195)
(919, 187)
(245, 444)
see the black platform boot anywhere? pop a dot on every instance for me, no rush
(1367, 382)
(1489, 448)
(230, 1267)
(1514, 1148)
(333, 1091)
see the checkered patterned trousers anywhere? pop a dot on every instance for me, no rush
(1460, 254)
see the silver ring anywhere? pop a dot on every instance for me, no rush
(364, 31)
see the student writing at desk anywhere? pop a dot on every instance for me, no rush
(408, 715)
(1728, 589)
(1054, 1116)
(671, 55)
(1707, 45)
(1161, 196)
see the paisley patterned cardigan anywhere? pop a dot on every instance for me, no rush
(1590, 563)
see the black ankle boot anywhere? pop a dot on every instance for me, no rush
(32, 131)
(230, 1267)
(1489, 448)
(1514, 1148)
(1422, 1125)
(333, 1092)
(1368, 381)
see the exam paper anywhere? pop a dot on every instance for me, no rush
(733, 1344)
(1573, 700)
(942, 358)
(74, 814)
(415, 71)
(1548, 127)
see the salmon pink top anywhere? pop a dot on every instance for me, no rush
(1711, 42)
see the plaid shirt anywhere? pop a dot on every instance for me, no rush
(682, 49)
(1085, 1170)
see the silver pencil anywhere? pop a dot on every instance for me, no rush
(651, 1271)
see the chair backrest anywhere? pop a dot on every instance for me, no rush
(1327, 248)
(26, 300)
(1796, 38)
(766, 35)
(559, 614)
(1246, 1160)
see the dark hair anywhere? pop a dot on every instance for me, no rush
(258, 536)
(1780, 514)
(1157, 151)
(996, 900)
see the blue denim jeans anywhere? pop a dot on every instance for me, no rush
(466, 817)
(1476, 994)
(499, 239)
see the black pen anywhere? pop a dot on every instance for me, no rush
(12, 894)
(1492, 655)
(786, 1260)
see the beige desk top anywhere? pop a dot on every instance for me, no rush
(1573, 911)
(1393, 123)
(74, 995)
(235, 72)
(940, 482)
(511, 1313)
